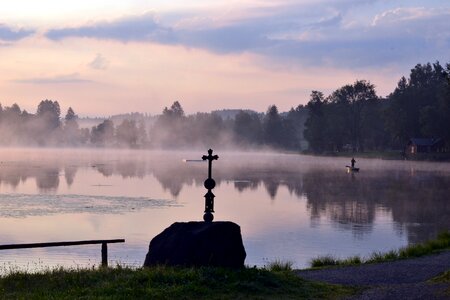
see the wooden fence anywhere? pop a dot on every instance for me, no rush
(70, 243)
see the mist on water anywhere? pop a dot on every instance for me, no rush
(174, 168)
(40, 182)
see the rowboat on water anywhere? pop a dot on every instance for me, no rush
(351, 169)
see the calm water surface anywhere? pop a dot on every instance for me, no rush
(289, 207)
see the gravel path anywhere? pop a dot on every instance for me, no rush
(402, 279)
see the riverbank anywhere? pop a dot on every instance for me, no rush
(388, 155)
(167, 283)
(441, 242)
(425, 277)
(420, 271)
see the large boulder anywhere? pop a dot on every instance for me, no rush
(198, 244)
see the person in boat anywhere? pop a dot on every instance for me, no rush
(353, 162)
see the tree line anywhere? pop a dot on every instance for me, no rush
(44, 128)
(352, 118)
(172, 129)
(355, 118)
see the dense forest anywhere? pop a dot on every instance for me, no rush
(352, 118)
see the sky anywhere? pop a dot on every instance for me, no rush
(105, 57)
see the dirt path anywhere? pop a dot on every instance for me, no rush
(402, 279)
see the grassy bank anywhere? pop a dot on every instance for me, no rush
(440, 243)
(388, 155)
(166, 283)
(444, 277)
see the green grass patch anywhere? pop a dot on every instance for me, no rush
(328, 260)
(280, 266)
(444, 277)
(324, 261)
(165, 283)
(440, 243)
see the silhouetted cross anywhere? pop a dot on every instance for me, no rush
(209, 185)
(210, 158)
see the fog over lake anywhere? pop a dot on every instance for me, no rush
(290, 207)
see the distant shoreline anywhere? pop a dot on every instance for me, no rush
(391, 155)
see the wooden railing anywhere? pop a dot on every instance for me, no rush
(70, 243)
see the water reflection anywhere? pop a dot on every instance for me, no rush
(47, 179)
(69, 174)
(352, 202)
(24, 205)
(242, 185)
(415, 197)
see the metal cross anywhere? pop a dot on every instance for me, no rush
(210, 158)
(209, 185)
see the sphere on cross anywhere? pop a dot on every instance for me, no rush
(209, 183)
(208, 217)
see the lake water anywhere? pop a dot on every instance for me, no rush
(289, 207)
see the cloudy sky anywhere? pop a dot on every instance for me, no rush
(104, 57)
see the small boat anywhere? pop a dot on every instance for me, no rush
(351, 169)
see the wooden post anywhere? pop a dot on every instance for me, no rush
(104, 254)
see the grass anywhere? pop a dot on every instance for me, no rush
(166, 283)
(280, 266)
(441, 242)
(444, 277)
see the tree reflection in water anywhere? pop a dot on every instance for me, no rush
(417, 200)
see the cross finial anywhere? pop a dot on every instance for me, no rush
(210, 158)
